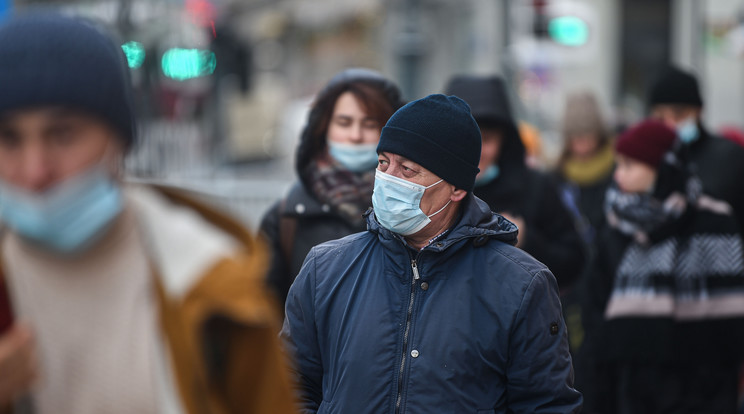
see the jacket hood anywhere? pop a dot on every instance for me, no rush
(489, 104)
(476, 222)
(311, 144)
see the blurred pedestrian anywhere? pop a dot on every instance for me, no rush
(586, 164)
(431, 309)
(335, 163)
(526, 197)
(675, 99)
(671, 281)
(135, 299)
(584, 171)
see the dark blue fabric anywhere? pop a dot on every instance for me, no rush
(487, 325)
(48, 59)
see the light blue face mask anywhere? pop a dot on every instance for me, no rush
(67, 217)
(354, 157)
(489, 175)
(688, 131)
(397, 204)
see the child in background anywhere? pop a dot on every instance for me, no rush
(673, 280)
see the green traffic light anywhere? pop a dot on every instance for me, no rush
(568, 30)
(182, 64)
(135, 53)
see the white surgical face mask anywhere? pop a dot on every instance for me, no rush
(354, 157)
(491, 173)
(688, 131)
(67, 217)
(397, 204)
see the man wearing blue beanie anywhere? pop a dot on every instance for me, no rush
(114, 297)
(432, 309)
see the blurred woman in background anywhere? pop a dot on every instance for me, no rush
(586, 165)
(335, 163)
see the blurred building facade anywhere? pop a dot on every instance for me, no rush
(240, 116)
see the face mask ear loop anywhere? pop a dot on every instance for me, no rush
(440, 210)
(430, 186)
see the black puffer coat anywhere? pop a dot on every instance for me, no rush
(720, 165)
(551, 236)
(298, 222)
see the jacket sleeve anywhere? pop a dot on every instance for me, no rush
(300, 337)
(552, 236)
(277, 277)
(540, 372)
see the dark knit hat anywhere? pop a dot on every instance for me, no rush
(647, 142)
(439, 133)
(675, 86)
(47, 59)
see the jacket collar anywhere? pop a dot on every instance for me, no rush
(477, 222)
(184, 239)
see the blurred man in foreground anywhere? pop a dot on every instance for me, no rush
(127, 298)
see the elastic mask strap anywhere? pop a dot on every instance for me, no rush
(440, 210)
(430, 186)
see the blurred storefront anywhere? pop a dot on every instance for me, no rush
(224, 85)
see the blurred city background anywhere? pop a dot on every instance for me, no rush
(223, 86)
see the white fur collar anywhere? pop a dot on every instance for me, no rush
(181, 243)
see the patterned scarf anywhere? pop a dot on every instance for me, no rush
(691, 270)
(349, 194)
(640, 214)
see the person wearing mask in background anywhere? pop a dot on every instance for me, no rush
(526, 197)
(669, 283)
(125, 298)
(335, 163)
(432, 309)
(675, 99)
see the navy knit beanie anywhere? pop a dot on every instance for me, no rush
(52, 60)
(675, 86)
(439, 133)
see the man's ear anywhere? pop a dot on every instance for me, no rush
(458, 194)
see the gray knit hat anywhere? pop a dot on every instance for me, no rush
(582, 115)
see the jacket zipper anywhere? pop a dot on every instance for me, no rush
(398, 400)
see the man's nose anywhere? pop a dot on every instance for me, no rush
(36, 169)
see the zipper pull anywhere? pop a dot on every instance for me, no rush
(415, 269)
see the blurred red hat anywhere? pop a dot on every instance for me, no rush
(647, 142)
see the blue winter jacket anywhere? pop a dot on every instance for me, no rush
(469, 324)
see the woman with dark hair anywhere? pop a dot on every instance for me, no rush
(336, 160)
